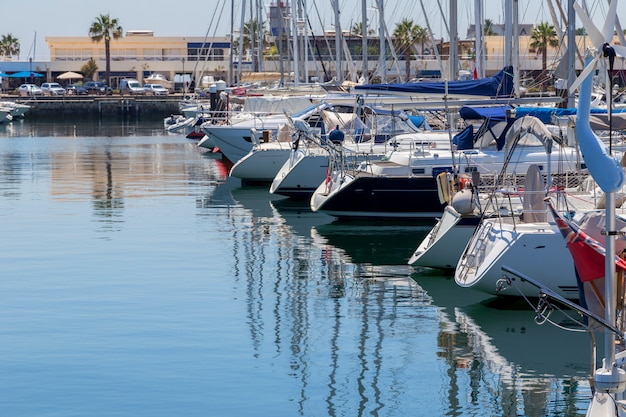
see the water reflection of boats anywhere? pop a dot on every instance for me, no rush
(509, 325)
(517, 337)
(374, 242)
(298, 215)
(256, 199)
(505, 330)
(479, 336)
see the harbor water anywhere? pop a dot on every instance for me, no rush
(139, 279)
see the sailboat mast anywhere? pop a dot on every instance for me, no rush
(609, 278)
(338, 44)
(571, 46)
(252, 34)
(453, 60)
(230, 55)
(241, 35)
(260, 34)
(431, 36)
(382, 57)
(364, 39)
(480, 38)
(508, 32)
(515, 54)
(305, 38)
(294, 38)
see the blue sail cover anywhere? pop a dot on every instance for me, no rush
(464, 139)
(500, 85)
(545, 113)
(498, 113)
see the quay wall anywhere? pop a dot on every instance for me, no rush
(101, 106)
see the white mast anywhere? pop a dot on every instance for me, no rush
(515, 54)
(508, 32)
(241, 34)
(294, 38)
(260, 35)
(382, 57)
(364, 39)
(571, 47)
(430, 35)
(338, 43)
(479, 58)
(453, 60)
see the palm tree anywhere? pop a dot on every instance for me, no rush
(251, 32)
(543, 36)
(105, 28)
(488, 28)
(357, 29)
(405, 35)
(9, 46)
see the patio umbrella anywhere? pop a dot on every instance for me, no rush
(70, 75)
(25, 74)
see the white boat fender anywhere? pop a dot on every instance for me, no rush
(463, 201)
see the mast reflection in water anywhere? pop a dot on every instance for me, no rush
(140, 279)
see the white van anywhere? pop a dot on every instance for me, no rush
(131, 86)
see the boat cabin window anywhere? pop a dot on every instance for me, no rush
(417, 171)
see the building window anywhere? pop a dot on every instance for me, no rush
(208, 51)
(174, 54)
(72, 54)
(151, 54)
(120, 55)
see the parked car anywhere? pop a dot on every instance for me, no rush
(52, 89)
(131, 86)
(155, 90)
(29, 90)
(97, 87)
(76, 90)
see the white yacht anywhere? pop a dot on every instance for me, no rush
(403, 184)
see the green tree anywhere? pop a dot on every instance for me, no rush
(405, 35)
(251, 31)
(89, 69)
(105, 28)
(488, 28)
(9, 46)
(544, 36)
(357, 29)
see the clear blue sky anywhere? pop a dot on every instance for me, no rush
(43, 18)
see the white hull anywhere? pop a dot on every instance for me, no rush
(307, 168)
(207, 142)
(301, 174)
(443, 246)
(15, 109)
(233, 142)
(537, 249)
(5, 116)
(177, 123)
(262, 163)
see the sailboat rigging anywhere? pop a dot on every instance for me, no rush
(593, 261)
